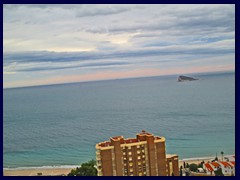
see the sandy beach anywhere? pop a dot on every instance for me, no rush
(195, 160)
(34, 172)
(64, 171)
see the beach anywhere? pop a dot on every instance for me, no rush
(34, 172)
(60, 171)
(195, 160)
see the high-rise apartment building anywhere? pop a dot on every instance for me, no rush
(144, 155)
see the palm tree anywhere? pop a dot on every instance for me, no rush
(222, 155)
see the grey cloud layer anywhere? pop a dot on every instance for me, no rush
(147, 30)
(114, 58)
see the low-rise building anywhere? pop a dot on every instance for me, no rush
(228, 167)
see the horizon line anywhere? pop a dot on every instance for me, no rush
(31, 86)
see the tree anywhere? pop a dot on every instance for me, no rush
(219, 172)
(86, 169)
(181, 171)
(222, 155)
(201, 164)
(187, 166)
(193, 167)
(184, 164)
(216, 158)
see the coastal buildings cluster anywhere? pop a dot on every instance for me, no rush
(145, 155)
(208, 166)
(227, 167)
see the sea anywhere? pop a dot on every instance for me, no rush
(59, 125)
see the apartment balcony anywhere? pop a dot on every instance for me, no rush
(99, 163)
(99, 169)
(100, 173)
(98, 157)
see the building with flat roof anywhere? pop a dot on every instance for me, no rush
(144, 155)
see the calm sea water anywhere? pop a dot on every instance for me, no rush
(60, 124)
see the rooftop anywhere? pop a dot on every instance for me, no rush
(139, 137)
(209, 167)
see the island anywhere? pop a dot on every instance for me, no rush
(185, 78)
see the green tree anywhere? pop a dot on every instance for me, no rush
(193, 167)
(181, 170)
(201, 164)
(218, 172)
(216, 158)
(86, 169)
(222, 155)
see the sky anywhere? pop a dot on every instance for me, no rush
(54, 44)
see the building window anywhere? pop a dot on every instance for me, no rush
(140, 174)
(130, 153)
(130, 164)
(143, 151)
(138, 146)
(131, 170)
(129, 147)
(124, 153)
(130, 159)
(143, 156)
(139, 157)
(139, 163)
(138, 151)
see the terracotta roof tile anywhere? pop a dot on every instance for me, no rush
(226, 164)
(215, 164)
(209, 167)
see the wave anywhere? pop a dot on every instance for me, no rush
(202, 158)
(197, 158)
(44, 167)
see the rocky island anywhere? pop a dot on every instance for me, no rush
(185, 78)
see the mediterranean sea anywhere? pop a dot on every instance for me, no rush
(58, 125)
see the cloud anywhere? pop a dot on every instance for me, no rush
(86, 65)
(224, 46)
(9, 72)
(170, 18)
(102, 11)
(84, 39)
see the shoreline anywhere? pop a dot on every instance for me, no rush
(44, 170)
(65, 169)
(35, 172)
